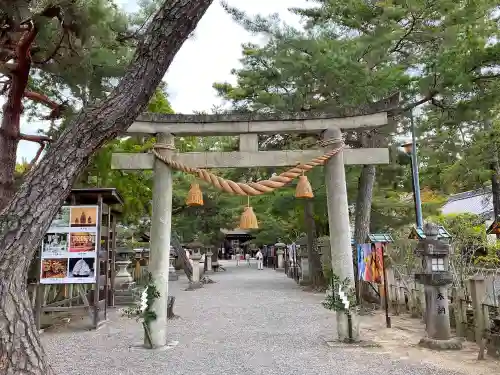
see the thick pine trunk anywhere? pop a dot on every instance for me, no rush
(21, 351)
(26, 218)
(315, 269)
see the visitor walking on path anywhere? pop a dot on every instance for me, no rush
(259, 257)
(247, 258)
(238, 256)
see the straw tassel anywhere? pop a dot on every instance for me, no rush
(248, 219)
(304, 189)
(195, 196)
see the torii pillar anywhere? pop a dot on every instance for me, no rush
(338, 208)
(159, 248)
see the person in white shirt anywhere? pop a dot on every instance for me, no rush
(259, 258)
(247, 258)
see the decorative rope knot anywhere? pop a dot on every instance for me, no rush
(250, 188)
(164, 146)
(329, 142)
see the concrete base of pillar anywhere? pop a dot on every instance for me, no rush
(343, 328)
(172, 275)
(193, 285)
(451, 344)
(209, 272)
(305, 282)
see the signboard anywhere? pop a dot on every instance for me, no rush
(69, 248)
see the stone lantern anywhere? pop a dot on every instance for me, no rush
(280, 250)
(172, 275)
(324, 250)
(195, 247)
(303, 255)
(208, 254)
(435, 277)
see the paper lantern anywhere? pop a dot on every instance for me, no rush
(304, 189)
(248, 219)
(195, 196)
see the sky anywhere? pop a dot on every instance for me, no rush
(206, 58)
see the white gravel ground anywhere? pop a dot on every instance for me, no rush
(250, 322)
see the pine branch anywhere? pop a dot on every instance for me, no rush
(34, 138)
(37, 156)
(56, 109)
(54, 52)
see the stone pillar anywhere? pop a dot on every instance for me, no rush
(159, 255)
(439, 321)
(195, 257)
(172, 275)
(201, 266)
(209, 255)
(280, 251)
(478, 297)
(436, 278)
(281, 260)
(338, 212)
(305, 277)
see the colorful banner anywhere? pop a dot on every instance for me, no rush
(363, 254)
(370, 262)
(69, 248)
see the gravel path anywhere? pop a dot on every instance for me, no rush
(249, 322)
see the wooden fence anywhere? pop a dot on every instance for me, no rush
(474, 309)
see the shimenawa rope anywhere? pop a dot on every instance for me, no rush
(251, 188)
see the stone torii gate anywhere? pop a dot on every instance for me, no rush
(248, 127)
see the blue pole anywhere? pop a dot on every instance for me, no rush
(416, 183)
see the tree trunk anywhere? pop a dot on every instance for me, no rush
(362, 218)
(11, 121)
(495, 175)
(186, 264)
(364, 204)
(27, 216)
(363, 213)
(181, 253)
(8, 152)
(495, 190)
(315, 269)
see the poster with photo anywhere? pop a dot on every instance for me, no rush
(81, 269)
(61, 220)
(82, 242)
(55, 245)
(83, 216)
(53, 271)
(69, 248)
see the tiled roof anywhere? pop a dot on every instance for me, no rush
(418, 232)
(478, 202)
(380, 237)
